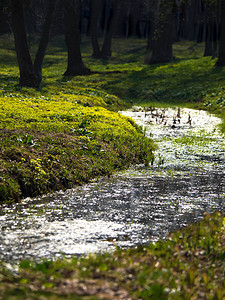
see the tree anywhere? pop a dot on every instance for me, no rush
(191, 22)
(4, 26)
(114, 14)
(211, 28)
(134, 15)
(221, 55)
(27, 74)
(163, 35)
(113, 17)
(96, 8)
(44, 40)
(75, 65)
(30, 75)
(153, 15)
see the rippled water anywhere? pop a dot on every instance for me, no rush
(133, 207)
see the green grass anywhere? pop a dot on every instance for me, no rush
(201, 139)
(68, 132)
(188, 265)
(63, 134)
(50, 136)
(189, 80)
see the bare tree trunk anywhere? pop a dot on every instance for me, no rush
(30, 75)
(27, 74)
(120, 29)
(211, 29)
(75, 64)
(153, 15)
(163, 37)
(134, 15)
(114, 15)
(96, 8)
(190, 24)
(221, 55)
(44, 41)
(178, 20)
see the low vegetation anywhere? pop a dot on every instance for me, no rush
(188, 265)
(62, 135)
(69, 131)
(66, 132)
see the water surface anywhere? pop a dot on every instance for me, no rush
(133, 207)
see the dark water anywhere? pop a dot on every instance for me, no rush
(133, 207)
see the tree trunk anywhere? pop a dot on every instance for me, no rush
(133, 18)
(211, 29)
(44, 40)
(96, 8)
(153, 15)
(27, 74)
(120, 29)
(163, 37)
(191, 19)
(75, 64)
(114, 15)
(221, 55)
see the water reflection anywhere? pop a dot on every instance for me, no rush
(133, 207)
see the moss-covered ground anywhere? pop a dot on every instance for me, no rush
(68, 132)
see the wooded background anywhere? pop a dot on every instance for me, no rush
(160, 22)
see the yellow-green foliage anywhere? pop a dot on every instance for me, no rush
(68, 123)
(62, 134)
(50, 143)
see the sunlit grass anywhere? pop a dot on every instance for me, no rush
(66, 133)
(63, 103)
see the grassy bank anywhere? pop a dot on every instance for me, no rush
(66, 132)
(188, 265)
(51, 143)
(63, 134)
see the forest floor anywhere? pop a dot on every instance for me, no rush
(68, 132)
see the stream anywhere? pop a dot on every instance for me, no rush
(136, 206)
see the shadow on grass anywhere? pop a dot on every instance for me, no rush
(11, 80)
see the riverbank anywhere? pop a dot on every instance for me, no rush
(189, 264)
(133, 207)
(66, 133)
